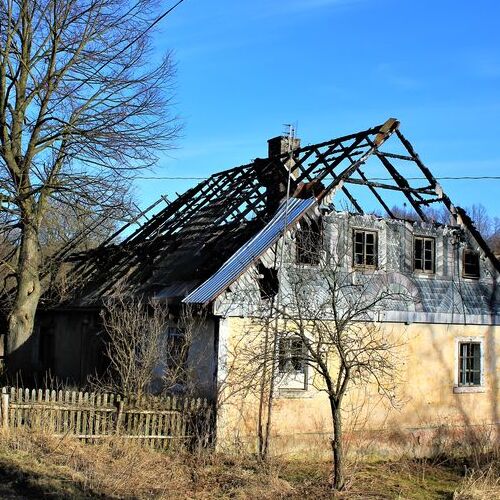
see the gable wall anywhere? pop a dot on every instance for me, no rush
(445, 307)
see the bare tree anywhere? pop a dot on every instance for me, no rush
(326, 321)
(78, 227)
(331, 312)
(81, 109)
(134, 342)
(487, 225)
(147, 346)
(177, 370)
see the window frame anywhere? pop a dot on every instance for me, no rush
(292, 382)
(177, 356)
(364, 265)
(309, 239)
(290, 355)
(460, 387)
(466, 251)
(423, 259)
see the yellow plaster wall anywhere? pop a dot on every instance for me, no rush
(425, 396)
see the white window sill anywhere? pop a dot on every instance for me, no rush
(424, 274)
(462, 389)
(471, 278)
(293, 393)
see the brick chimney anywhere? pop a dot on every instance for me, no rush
(281, 144)
(271, 173)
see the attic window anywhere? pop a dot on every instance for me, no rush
(364, 249)
(268, 281)
(470, 263)
(423, 254)
(308, 242)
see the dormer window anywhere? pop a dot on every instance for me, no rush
(424, 254)
(365, 249)
(470, 263)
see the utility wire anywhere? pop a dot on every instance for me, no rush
(454, 178)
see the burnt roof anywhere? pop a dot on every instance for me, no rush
(190, 238)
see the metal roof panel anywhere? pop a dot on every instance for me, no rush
(238, 263)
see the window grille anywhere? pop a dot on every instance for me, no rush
(470, 267)
(469, 364)
(424, 254)
(291, 355)
(365, 249)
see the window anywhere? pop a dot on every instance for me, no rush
(365, 249)
(177, 352)
(470, 262)
(423, 254)
(291, 355)
(308, 242)
(469, 364)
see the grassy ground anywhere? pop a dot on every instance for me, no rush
(37, 466)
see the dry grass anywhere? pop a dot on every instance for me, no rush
(121, 469)
(37, 465)
(480, 485)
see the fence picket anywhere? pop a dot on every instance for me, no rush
(85, 416)
(91, 425)
(97, 427)
(78, 425)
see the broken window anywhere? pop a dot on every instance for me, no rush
(291, 355)
(470, 267)
(177, 353)
(365, 248)
(423, 254)
(469, 364)
(309, 242)
(268, 281)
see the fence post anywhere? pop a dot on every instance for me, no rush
(119, 415)
(5, 411)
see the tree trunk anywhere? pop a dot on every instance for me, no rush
(262, 437)
(337, 449)
(22, 316)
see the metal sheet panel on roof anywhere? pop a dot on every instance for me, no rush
(237, 264)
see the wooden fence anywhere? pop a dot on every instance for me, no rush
(166, 422)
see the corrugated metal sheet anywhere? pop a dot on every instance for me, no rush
(256, 246)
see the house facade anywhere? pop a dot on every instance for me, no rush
(270, 255)
(441, 327)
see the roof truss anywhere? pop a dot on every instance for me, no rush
(251, 193)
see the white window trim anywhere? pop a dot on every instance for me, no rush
(461, 389)
(363, 267)
(423, 272)
(282, 389)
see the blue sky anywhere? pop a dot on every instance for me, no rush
(333, 67)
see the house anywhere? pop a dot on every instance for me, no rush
(235, 243)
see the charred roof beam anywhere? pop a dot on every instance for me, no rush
(402, 183)
(457, 213)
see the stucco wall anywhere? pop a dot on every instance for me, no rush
(425, 394)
